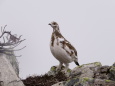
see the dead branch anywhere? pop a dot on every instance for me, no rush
(11, 41)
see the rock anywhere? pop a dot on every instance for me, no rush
(102, 72)
(112, 73)
(54, 72)
(60, 84)
(71, 82)
(8, 76)
(100, 82)
(92, 74)
(13, 60)
(89, 82)
(114, 64)
(85, 70)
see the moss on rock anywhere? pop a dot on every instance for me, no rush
(97, 63)
(112, 70)
(69, 70)
(90, 64)
(85, 79)
(107, 80)
(53, 68)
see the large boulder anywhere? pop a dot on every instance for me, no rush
(85, 82)
(92, 74)
(8, 76)
(13, 61)
(85, 70)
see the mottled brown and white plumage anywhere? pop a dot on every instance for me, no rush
(62, 49)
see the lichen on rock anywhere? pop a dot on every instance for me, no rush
(112, 73)
(92, 74)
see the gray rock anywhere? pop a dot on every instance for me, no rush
(92, 74)
(100, 82)
(80, 82)
(59, 84)
(85, 70)
(112, 73)
(8, 76)
(54, 72)
(13, 60)
(102, 72)
(114, 64)
(89, 82)
(72, 82)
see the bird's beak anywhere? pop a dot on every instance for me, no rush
(49, 24)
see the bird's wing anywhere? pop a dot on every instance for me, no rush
(66, 45)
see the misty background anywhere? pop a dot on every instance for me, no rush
(88, 24)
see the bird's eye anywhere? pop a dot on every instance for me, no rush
(54, 23)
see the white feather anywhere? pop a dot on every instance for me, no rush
(59, 53)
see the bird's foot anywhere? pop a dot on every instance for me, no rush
(65, 70)
(58, 69)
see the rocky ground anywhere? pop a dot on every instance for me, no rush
(92, 74)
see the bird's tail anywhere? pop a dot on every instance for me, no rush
(76, 60)
(76, 63)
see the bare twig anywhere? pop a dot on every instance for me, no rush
(20, 49)
(4, 39)
(4, 28)
(11, 42)
(20, 36)
(1, 30)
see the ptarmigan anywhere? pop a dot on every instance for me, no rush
(61, 49)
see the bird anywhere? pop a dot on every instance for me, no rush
(61, 48)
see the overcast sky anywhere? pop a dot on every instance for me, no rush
(88, 24)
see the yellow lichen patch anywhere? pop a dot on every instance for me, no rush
(97, 63)
(53, 68)
(107, 80)
(112, 69)
(80, 66)
(85, 79)
(69, 70)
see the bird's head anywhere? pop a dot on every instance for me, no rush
(54, 25)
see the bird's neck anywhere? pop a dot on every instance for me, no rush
(56, 29)
(57, 33)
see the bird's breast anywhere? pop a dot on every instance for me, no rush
(59, 53)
